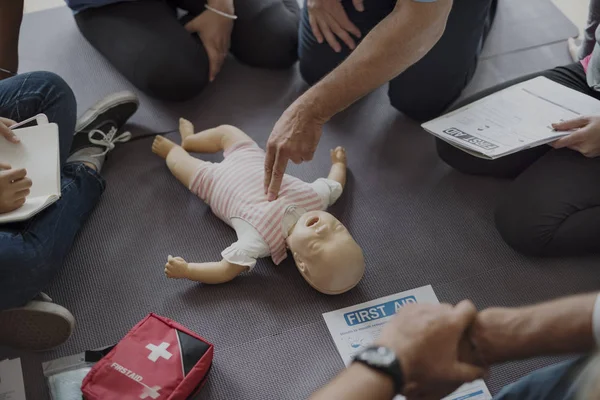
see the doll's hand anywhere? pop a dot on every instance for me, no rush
(338, 155)
(176, 268)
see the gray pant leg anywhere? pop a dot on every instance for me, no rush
(589, 34)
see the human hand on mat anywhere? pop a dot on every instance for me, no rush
(295, 137)
(14, 187)
(328, 19)
(427, 341)
(585, 139)
(176, 268)
(5, 130)
(215, 33)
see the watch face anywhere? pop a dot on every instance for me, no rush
(379, 356)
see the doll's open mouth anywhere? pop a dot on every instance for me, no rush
(312, 221)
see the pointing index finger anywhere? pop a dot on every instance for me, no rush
(269, 161)
(277, 176)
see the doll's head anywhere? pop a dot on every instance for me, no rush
(325, 253)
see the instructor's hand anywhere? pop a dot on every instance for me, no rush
(295, 137)
(585, 139)
(6, 132)
(427, 340)
(328, 19)
(215, 33)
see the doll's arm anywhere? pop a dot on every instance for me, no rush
(338, 166)
(209, 272)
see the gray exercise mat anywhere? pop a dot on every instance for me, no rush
(527, 24)
(418, 222)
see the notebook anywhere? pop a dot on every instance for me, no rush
(38, 152)
(514, 119)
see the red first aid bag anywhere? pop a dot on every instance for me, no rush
(157, 360)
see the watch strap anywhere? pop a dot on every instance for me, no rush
(393, 370)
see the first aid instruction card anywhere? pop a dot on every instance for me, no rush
(355, 327)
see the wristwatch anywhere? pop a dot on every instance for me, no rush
(384, 360)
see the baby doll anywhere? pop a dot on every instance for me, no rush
(325, 253)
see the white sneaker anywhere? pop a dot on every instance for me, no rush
(37, 326)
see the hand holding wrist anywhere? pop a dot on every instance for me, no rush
(498, 334)
(426, 340)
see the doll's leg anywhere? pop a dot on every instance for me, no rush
(211, 140)
(182, 165)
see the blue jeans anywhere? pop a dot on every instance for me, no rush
(556, 382)
(31, 252)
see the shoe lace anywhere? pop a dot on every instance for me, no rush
(108, 140)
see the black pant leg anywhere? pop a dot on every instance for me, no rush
(265, 35)
(317, 60)
(512, 165)
(147, 44)
(553, 208)
(428, 88)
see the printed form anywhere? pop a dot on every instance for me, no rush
(11, 380)
(513, 119)
(355, 327)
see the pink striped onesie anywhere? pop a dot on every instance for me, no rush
(233, 188)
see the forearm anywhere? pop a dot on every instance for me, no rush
(558, 327)
(396, 43)
(338, 173)
(11, 14)
(213, 273)
(357, 382)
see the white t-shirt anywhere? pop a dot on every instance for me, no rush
(251, 246)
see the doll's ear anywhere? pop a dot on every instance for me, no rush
(299, 262)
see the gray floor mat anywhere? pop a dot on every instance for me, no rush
(418, 222)
(527, 24)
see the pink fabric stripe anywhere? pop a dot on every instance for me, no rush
(225, 176)
(246, 144)
(196, 186)
(287, 200)
(252, 186)
(236, 182)
(277, 228)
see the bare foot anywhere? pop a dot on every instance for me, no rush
(162, 146)
(185, 128)
(573, 49)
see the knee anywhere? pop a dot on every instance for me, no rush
(523, 229)
(176, 81)
(312, 69)
(421, 106)
(269, 40)
(53, 87)
(453, 157)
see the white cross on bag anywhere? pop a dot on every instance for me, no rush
(158, 351)
(150, 391)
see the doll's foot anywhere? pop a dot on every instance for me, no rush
(338, 155)
(185, 128)
(162, 146)
(176, 268)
